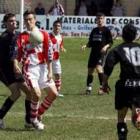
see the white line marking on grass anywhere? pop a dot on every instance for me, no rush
(72, 116)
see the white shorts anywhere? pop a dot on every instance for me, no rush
(56, 66)
(36, 76)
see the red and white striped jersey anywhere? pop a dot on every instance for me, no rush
(33, 54)
(57, 41)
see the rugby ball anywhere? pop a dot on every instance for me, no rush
(36, 37)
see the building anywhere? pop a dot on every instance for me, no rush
(69, 5)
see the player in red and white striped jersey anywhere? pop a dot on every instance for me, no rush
(37, 68)
(57, 41)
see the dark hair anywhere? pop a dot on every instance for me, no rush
(57, 21)
(129, 32)
(7, 16)
(28, 12)
(100, 14)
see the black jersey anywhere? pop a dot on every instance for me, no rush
(7, 45)
(99, 37)
(128, 55)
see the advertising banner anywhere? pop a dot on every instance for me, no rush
(81, 26)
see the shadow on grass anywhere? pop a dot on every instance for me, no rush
(19, 130)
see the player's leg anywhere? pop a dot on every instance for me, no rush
(33, 84)
(99, 68)
(89, 81)
(23, 86)
(121, 125)
(8, 78)
(49, 99)
(36, 94)
(57, 75)
(15, 94)
(121, 105)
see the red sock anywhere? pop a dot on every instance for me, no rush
(58, 84)
(34, 111)
(44, 106)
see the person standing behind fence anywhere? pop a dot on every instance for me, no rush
(39, 10)
(118, 9)
(57, 9)
(81, 9)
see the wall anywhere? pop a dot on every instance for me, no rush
(131, 6)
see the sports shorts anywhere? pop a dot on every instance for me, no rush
(126, 95)
(96, 59)
(56, 66)
(8, 77)
(36, 76)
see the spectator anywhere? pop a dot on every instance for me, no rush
(118, 9)
(139, 12)
(81, 9)
(39, 10)
(57, 9)
(93, 9)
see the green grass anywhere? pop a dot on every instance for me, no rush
(75, 116)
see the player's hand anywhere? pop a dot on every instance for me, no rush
(63, 50)
(106, 88)
(103, 50)
(83, 47)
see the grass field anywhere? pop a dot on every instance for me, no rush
(75, 116)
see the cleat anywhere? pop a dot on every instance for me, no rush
(60, 95)
(122, 131)
(123, 135)
(39, 118)
(88, 92)
(101, 91)
(28, 125)
(2, 127)
(38, 125)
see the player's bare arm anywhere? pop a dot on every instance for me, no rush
(49, 76)
(17, 69)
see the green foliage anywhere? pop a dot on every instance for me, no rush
(75, 116)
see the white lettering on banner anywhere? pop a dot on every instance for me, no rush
(81, 26)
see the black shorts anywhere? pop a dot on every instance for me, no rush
(96, 59)
(125, 96)
(7, 76)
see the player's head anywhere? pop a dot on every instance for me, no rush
(57, 26)
(129, 32)
(29, 19)
(10, 21)
(100, 19)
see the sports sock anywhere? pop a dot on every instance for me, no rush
(44, 106)
(5, 107)
(27, 109)
(122, 131)
(58, 84)
(100, 76)
(34, 111)
(89, 82)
